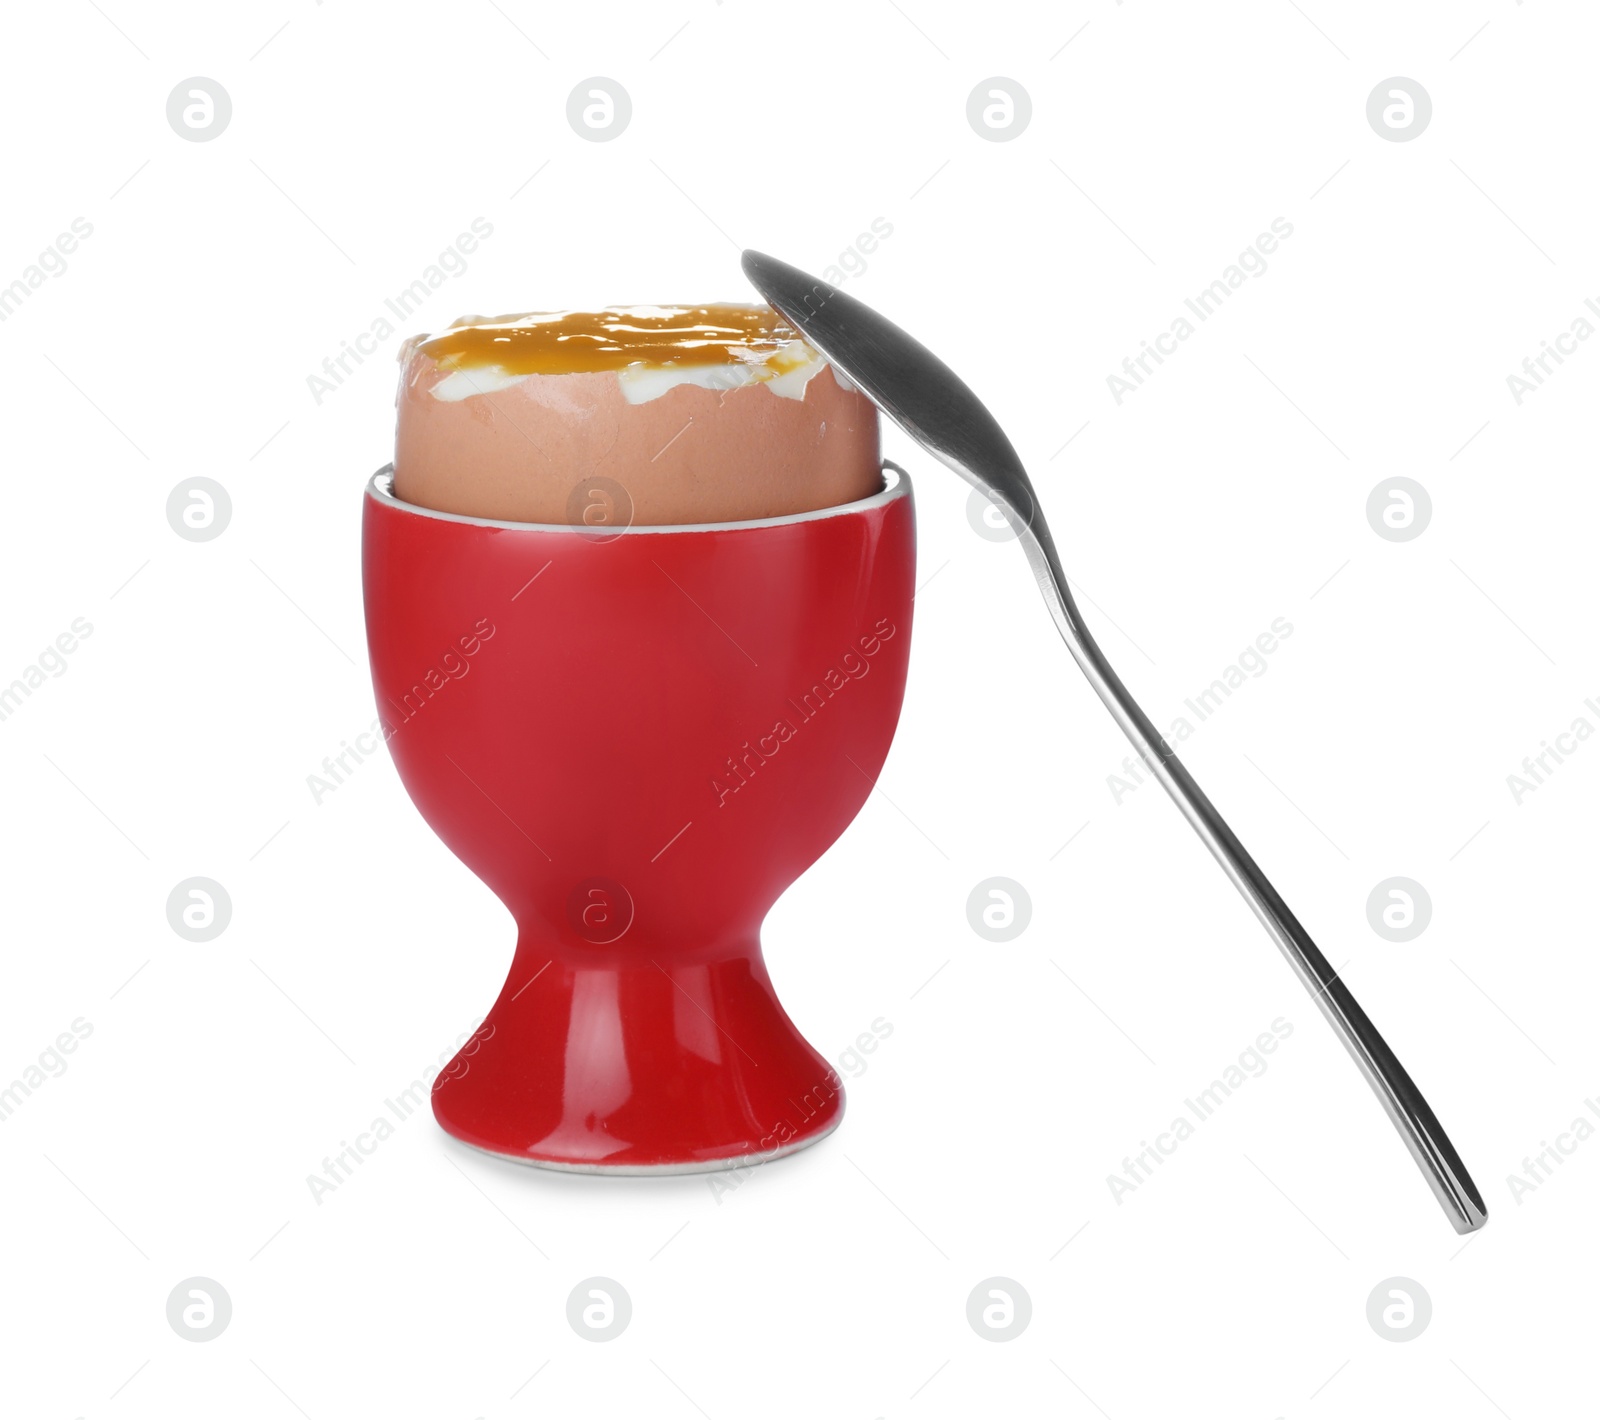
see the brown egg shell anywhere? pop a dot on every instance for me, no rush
(691, 455)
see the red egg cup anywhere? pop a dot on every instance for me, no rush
(638, 739)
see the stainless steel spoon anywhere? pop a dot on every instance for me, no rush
(921, 394)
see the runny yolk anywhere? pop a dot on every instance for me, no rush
(577, 342)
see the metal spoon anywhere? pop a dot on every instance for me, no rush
(921, 394)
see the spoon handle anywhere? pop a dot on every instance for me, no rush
(1409, 1112)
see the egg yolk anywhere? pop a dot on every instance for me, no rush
(579, 342)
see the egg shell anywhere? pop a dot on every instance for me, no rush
(533, 451)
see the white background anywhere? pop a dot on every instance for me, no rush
(1225, 493)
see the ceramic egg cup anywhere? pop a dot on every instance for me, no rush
(638, 738)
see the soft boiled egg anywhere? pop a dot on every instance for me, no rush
(644, 414)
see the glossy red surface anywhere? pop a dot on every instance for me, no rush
(638, 744)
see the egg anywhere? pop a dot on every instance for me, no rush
(633, 414)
